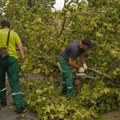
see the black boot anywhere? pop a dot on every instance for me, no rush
(20, 110)
(3, 104)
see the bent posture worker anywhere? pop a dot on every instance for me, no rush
(67, 60)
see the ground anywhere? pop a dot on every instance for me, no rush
(115, 115)
(8, 112)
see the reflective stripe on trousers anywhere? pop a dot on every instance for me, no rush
(67, 78)
(69, 87)
(64, 82)
(3, 90)
(18, 93)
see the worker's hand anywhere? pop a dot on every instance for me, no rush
(85, 66)
(23, 57)
(81, 70)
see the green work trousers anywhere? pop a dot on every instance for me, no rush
(67, 77)
(9, 65)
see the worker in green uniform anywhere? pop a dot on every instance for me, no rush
(9, 65)
(67, 59)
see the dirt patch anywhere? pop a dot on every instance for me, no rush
(115, 115)
(8, 112)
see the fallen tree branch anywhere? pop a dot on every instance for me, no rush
(63, 24)
(99, 73)
(66, 5)
(56, 66)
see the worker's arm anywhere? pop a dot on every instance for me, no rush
(83, 60)
(72, 63)
(82, 57)
(21, 49)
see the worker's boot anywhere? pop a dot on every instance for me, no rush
(3, 104)
(20, 110)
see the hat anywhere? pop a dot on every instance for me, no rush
(86, 41)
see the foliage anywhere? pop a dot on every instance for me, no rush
(49, 105)
(45, 33)
(99, 97)
(31, 3)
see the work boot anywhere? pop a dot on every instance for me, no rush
(20, 110)
(3, 104)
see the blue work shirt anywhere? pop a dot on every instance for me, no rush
(72, 51)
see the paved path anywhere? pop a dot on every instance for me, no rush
(115, 115)
(8, 113)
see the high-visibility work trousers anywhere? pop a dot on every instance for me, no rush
(67, 77)
(9, 65)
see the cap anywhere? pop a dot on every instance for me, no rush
(86, 41)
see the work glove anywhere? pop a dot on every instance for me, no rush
(85, 66)
(81, 70)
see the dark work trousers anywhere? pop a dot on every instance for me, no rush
(67, 77)
(9, 65)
